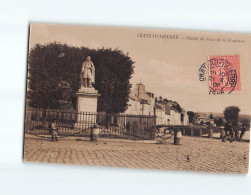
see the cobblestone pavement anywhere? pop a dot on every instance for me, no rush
(195, 154)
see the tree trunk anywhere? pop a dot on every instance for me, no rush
(108, 120)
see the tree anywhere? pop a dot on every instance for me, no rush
(192, 117)
(208, 123)
(113, 73)
(219, 122)
(46, 73)
(156, 100)
(211, 116)
(231, 113)
(54, 76)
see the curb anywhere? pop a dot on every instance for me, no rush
(27, 136)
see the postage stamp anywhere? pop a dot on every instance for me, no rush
(222, 74)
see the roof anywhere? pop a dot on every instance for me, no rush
(166, 105)
(161, 105)
(158, 105)
(136, 99)
(133, 98)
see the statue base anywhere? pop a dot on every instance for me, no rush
(87, 90)
(87, 101)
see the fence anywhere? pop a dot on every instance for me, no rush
(193, 130)
(71, 123)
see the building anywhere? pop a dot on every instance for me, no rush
(162, 115)
(204, 118)
(134, 106)
(140, 101)
(185, 119)
(167, 115)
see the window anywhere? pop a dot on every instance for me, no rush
(167, 111)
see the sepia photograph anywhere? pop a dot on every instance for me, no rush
(140, 98)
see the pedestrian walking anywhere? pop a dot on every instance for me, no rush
(54, 131)
(228, 132)
(236, 134)
(243, 130)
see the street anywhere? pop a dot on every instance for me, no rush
(195, 153)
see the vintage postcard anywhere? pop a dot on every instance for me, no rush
(138, 98)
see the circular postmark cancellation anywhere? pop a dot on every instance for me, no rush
(222, 73)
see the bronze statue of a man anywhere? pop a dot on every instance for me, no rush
(87, 75)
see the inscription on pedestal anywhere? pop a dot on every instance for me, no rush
(87, 100)
(87, 103)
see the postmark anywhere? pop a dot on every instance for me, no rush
(222, 74)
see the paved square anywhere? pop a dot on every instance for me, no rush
(195, 154)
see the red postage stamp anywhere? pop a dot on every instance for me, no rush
(224, 74)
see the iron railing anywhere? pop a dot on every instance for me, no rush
(72, 123)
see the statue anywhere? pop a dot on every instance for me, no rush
(87, 75)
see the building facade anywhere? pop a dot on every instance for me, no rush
(140, 101)
(166, 115)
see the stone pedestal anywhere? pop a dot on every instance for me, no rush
(87, 100)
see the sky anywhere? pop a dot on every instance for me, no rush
(167, 67)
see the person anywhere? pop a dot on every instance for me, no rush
(88, 73)
(228, 132)
(243, 130)
(54, 130)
